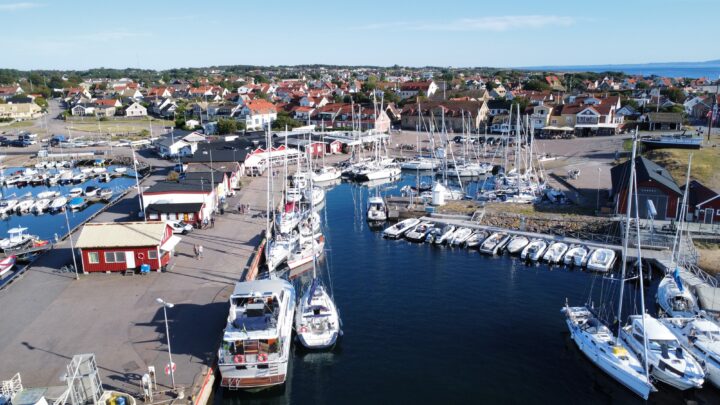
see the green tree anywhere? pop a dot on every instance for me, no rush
(226, 126)
(144, 133)
(642, 86)
(56, 82)
(674, 94)
(632, 103)
(536, 85)
(285, 121)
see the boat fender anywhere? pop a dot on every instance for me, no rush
(238, 358)
(262, 357)
(303, 329)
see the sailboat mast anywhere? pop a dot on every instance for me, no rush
(626, 235)
(683, 208)
(267, 197)
(640, 276)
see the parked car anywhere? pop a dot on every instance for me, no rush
(180, 227)
(20, 143)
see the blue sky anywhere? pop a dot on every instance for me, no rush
(77, 34)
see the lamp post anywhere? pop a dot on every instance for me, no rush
(72, 245)
(165, 306)
(597, 205)
(212, 176)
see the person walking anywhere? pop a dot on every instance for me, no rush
(212, 222)
(200, 251)
(197, 252)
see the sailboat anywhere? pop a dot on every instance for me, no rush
(599, 344)
(317, 322)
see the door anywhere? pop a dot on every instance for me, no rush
(709, 212)
(130, 259)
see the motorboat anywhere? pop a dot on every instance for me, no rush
(7, 264)
(315, 196)
(445, 234)
(23, 181)
(417, 234)
(77, 203)
(534, 250)
(120, 170)
(701, 337)
(47, 194)
(75, 192)
(326, 174)
(317, 323)
(398, 230)
(293, 194)
(24, 205)
(477, 238)
(17, 239)
(597, 342)
(41, 205)
(105, 193)
(306, 250)
(8, 206)
(601, 259)
(459, 237)
(377, 171)
(495, 243)
(668, 361)
(66, 177)
(255, 349)
(674, 299)
(517, 244)
(420, 163)
(58, 204)
(79, 177)
(377, 210)
(555, 252)
(91, 191)
(99, 170)
(575, 255)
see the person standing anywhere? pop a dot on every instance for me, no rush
(200, 251)
(197, 252)
(212, 222)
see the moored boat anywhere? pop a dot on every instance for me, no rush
(555, 252)
(398, 230)
(417, 234)
(674, 299)
(377, 210)
(534, 250)
(575, 255)
(517, 244)
(495, 243)
(601, 259)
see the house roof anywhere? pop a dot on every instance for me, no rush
(646, 170)
(665, 117)
(700, 194)
(107, 102)
(177, 187)
(164, 208)
(260, 106)
(204, 177)
(121, 234)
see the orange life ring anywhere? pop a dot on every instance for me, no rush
(238, 358)
(141, 256)
(303, 329)
(262, 357)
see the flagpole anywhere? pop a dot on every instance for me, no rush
(137, 184)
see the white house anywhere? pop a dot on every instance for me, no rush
(171, 147)
(412, 89)
(83, 109)
(136, 110)
(258, 114)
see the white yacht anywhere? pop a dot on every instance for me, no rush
(316, 194)
(8, 206)
(476, 239)
(601, 259)
(555, 252)
(495, 243)
(674, 299)
(310, 226)
(517, 244)
(306, 250)
(58, 204)
(256, 342)
(24, 205)
(326, 174)
(445, 234)
(534, 250)
(398, 230)
(701, 337)
(317, 323)
(668, 361)
(377, 210)
(41, 205)
(279, 250)
(460, 236)
(47, 194)
(597, 342)
(17, 238)
(75, 192)
(420, 163)
(288, 220)
(293, 194)
(418, 232)
(575, 255)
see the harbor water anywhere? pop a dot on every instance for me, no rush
(427, 324)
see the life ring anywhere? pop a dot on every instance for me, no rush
(238, 358)
(303, 329)
(262, 357)
(141, 256)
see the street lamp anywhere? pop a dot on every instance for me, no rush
(167, 305)
(72, 245)
(597, 205)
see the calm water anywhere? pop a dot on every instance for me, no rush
(710, 71)
(436, 325)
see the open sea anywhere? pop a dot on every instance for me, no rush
(691, 70)
(426, 324)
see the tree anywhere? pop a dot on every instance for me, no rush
(226, 126)
(490, 85)
(144, 133)
(642, 86)
(674, 94)
(285, 121)
(536, 85)
(630, 102)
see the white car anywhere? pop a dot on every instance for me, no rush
(180, 227)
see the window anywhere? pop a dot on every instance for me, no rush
(114, 257)
(93, 257)
(152, 254)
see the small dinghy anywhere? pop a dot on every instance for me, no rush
(555, 252)
(575, 256)
(601, 260)
(534, 250)
(517, 244)
(7, 264)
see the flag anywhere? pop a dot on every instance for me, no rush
(678, 280)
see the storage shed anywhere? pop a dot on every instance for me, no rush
(119, 246)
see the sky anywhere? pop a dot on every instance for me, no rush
(158, 34)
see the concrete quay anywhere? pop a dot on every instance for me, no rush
(48, 316)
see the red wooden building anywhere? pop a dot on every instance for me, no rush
(654, 183)
(118, 246)
(703, 204)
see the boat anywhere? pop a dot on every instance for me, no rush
(75, 192)
(474, 241)
(310, 226)
(326, 174)
(66, 177)
(77, 203)
(445, 235)
(8, 206)
(300, 180)
(7, 264)
(120, 170)
(317, 322)
(460, 236)
(555, 252)
(279, 249)
(105, 193)
(255, 349)
(494, 243)
(420, 163)
(675, 141)
(517, 244)
(601, 259)
(398, 230)
(58, 204)
(377, 210)
(79, 178)
(575, 255)
(99, 170)
(24, 205)
(289, 220)
(701, 337)
(668, 361)
(316, 195)
(597, 342)
(674, 299)
(293, 194)
(418, 232)
(534, 250)
(47, 194)
(17, 239)
(41, 205)
(91, 191)
(306, 250)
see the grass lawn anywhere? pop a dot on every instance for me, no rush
(705, 163)
(19, 124)
(110, 127)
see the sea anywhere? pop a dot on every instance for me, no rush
(690, 70)
(427, 324)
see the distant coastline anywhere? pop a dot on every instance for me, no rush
(709, 69)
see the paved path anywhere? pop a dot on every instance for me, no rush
(47, 317)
